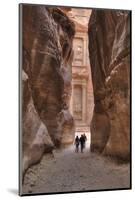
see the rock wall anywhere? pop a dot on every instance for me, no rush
(35, 137)
(47, 56)
(109, 51)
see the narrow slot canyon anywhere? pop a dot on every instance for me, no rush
(75, 80)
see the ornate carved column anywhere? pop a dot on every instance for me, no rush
(71, 101)
(84, 106)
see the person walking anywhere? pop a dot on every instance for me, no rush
(77, 144)
(85, 139)
(82, 141)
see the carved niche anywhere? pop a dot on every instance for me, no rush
(77, 102)
(78, 47)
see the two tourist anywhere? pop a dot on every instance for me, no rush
(80, 142)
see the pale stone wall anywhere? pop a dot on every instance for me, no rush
(80, 15)
(81, 104)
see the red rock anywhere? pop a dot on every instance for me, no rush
(109, 48)
(47, 57)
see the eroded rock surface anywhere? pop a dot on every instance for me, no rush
(35, 137)
(47, 57)
(109, 48)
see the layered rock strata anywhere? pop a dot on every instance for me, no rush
(109, 51)
(47, 57)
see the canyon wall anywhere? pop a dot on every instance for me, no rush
(109, 51)
(47, 56)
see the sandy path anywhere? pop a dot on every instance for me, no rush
(70, 171)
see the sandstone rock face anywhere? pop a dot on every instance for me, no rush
(47, 57)
(65, 120)
(109, 50)
(66, 31)
(35, 137)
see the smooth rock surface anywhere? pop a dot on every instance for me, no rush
(47, 56)
(35, 137)
(109, 50)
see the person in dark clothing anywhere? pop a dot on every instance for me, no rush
(85, 139)
(82, 142)
(77, 144)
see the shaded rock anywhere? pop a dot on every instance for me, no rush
(47, 57)
(109, 50)
(50, 64)
(36, 139)
(99, 124)
(64, 126)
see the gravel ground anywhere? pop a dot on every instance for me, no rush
(69, 171)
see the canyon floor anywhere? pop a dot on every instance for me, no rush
(69, 171)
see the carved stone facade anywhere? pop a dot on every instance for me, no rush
(81, 105)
